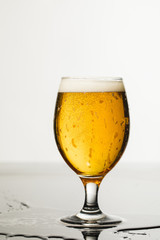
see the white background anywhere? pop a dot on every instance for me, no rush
(42, 40)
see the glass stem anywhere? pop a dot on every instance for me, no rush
(91, 199)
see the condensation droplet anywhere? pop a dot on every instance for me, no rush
(67, 128)
(73, 143)
(122, 123)
(79, 117)
(115, 135)
(92, 113)
(96, 115)
(108, 158)
(105, 124)
(88, 164)
(90, 152)
(126, 120)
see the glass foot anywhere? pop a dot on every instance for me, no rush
(100, 221)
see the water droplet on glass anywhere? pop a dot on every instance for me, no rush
(90, 152)
(115, 135)
(73, 143)
(88, 164)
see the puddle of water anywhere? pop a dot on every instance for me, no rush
(44, 224)
(11, 204)
(140, 235)
(35, 223)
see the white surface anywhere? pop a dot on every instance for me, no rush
(41, 41)
(127, 189)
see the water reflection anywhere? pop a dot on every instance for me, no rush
(44, 224)
(90, 234)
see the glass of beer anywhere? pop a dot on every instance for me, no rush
(91, 125)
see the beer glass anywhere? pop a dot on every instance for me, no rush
(91, 125)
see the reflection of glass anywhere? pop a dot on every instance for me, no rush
(91, 234)
(91, 128)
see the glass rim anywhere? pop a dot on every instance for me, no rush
(94, 78)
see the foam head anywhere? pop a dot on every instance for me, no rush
(91, 85)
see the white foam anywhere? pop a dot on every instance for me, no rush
(91, 85)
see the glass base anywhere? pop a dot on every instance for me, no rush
(97, 221)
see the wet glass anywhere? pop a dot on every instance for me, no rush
(91, 126)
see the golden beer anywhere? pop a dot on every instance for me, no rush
(91, 130)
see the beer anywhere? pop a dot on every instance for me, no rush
(91, 126)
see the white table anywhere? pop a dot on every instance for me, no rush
(45, 191)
